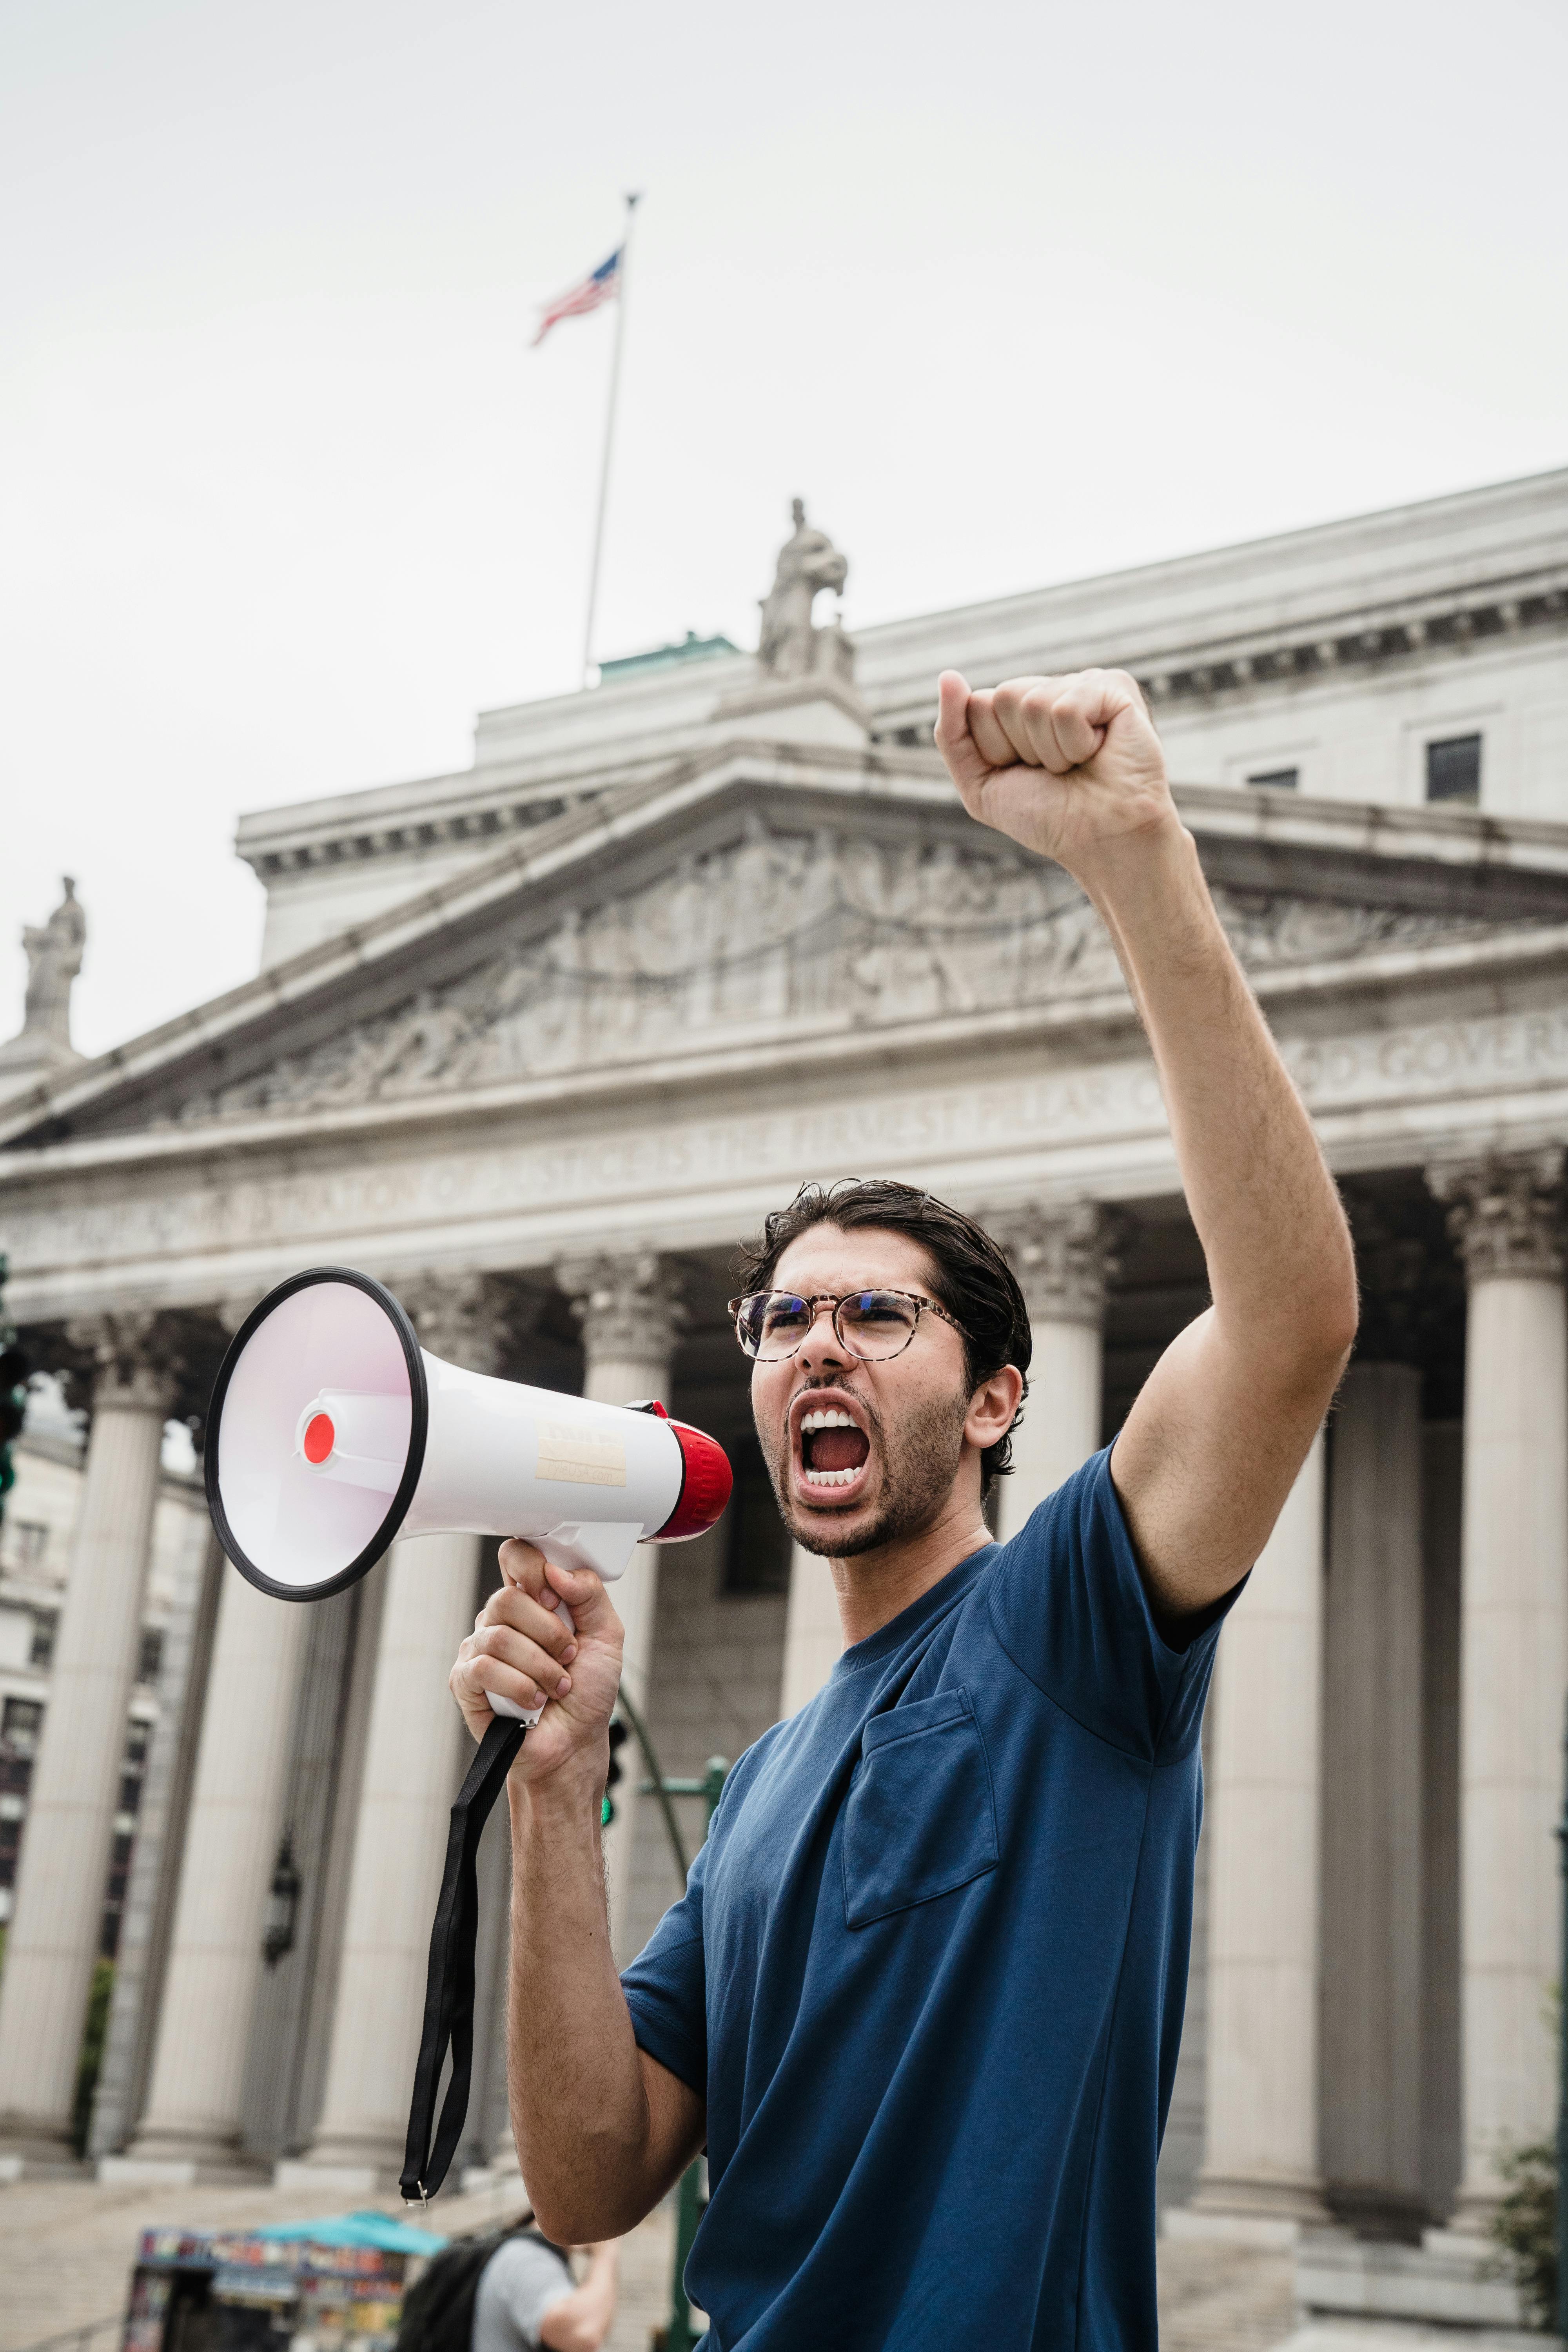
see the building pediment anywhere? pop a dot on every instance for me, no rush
(774, 940)
(773, 906)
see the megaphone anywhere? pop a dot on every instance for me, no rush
(332, 1432)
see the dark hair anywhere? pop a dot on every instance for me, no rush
(972, 1278)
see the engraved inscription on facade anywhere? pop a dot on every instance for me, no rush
(530, 1188)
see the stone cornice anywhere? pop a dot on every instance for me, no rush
(1434, 575)
(480, 809)
(1374, 637)
(1360, 638)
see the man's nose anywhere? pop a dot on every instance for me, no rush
(822, 1348)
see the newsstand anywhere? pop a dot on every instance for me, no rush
(333, 2285)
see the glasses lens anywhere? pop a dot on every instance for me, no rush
(877, 1323)
(772, 1323)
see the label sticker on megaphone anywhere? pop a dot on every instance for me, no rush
(332, 1432)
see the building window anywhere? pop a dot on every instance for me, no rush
(1453, 770)
(43, 1651)
(1277, 780)
(756, 1559)
(132, 1769)
(149, 1659)
(24, 1544)
(19, 1727)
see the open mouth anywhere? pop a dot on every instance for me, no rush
(834, 1450)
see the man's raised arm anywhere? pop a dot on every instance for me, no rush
(1071, 767)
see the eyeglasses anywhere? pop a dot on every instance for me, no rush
(872, 1325)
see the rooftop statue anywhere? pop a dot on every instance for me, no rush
(54, 958)
(790, 645)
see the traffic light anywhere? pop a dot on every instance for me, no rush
(617, 1741)
(15, 1371)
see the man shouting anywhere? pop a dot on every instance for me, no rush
(921, 1999)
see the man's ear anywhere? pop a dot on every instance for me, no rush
(993, 1406)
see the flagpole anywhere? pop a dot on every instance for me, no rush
(632, 203)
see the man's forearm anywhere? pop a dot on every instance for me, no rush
(579, 2107)
(1265, 1209)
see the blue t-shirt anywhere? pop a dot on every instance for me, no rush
(929, 1968)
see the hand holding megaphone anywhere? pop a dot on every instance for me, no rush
(522, 1660)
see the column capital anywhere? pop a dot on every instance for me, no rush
(458, 1317)
(1063, 1257)
(133, 1359)
(1505, 1213)
(630, 1305)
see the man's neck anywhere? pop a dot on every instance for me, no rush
(875, 1587)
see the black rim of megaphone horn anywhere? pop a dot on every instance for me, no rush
(398, 1509)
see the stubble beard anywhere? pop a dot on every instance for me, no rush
(919, 1466)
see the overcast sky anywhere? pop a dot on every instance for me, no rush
(1010, 294)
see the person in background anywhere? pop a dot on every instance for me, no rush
(528, 2297)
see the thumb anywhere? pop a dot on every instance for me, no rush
(953, 739)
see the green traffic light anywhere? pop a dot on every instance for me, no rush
(606, 1813)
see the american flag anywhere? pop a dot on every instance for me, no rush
(601, 285)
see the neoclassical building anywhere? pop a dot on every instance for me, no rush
(536, 1043)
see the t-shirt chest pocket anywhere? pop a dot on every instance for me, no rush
(921, 1819)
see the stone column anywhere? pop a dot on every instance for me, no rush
(1260, 2177)
(54, 1933)
(813, 1638)
(1372, 1877)
(231, 1836)
(231, 1843)
(1062, 1258)
(142, 1951)
(631, 1312)
(1506, 1215)
(416, 1751)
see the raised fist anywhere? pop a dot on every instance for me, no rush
(1067, 766)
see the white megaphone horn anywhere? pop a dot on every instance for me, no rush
(332, 1432)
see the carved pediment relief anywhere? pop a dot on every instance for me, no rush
(777, 932)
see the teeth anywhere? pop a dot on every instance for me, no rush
(829, 1477)
(827, 1417)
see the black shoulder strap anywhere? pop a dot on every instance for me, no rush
(450, 1986)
